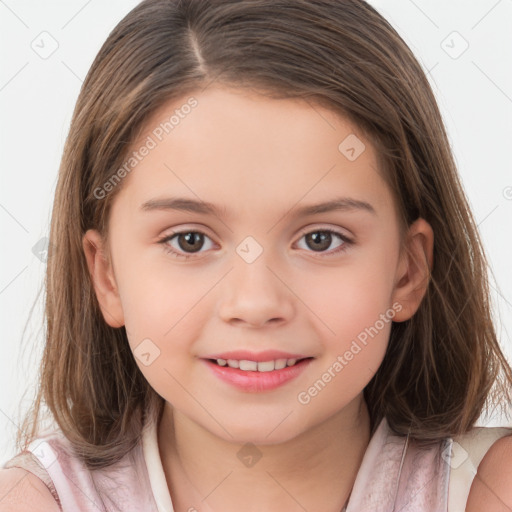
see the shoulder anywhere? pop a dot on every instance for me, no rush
(491, 489)
(20, 491)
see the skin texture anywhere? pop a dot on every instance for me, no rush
(491, 489)
(259, 158)
(20, 490)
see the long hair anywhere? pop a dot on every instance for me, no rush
(442, 367)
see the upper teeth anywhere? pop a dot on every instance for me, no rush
(263, 366)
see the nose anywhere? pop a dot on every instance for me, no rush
(254, 294)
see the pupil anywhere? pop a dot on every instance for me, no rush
(323, 237)
(191, 239)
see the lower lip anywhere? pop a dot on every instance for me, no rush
(254, 381)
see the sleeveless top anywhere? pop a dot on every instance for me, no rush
(395, 474)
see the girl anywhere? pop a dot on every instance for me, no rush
(264, 274)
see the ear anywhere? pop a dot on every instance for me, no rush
(103, 279)
(413, 273)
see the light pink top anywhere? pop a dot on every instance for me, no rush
(394, 475)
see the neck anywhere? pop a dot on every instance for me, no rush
(205, 472)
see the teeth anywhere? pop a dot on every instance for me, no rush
(279, 364)
(263, 366)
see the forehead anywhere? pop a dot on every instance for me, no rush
(233, 147)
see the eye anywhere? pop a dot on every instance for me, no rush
(190, 242)
(186, 240)
(321, 239)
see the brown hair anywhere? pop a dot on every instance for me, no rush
(442, 366)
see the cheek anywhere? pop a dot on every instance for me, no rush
(359, 317)
(354, 317)
(351, 297)
(162, 305)
(156, 292)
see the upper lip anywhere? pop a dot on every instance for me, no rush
(266, 355)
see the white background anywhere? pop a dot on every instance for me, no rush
(37, 96)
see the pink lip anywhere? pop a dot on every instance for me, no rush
(266, 355)
(254, 381)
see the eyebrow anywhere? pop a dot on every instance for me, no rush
(203, 207)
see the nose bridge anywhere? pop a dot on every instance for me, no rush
(253, 291)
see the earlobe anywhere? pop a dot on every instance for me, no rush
(413, 275)
(103, 279)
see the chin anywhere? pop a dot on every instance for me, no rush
(267, 433)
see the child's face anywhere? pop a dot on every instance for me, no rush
(255, 280)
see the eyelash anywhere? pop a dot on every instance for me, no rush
(347, 242)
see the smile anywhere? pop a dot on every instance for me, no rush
(247, 376)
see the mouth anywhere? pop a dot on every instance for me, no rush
(258, 376)
(258, 366)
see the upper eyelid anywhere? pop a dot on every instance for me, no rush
(347, 238)
(301, 232)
